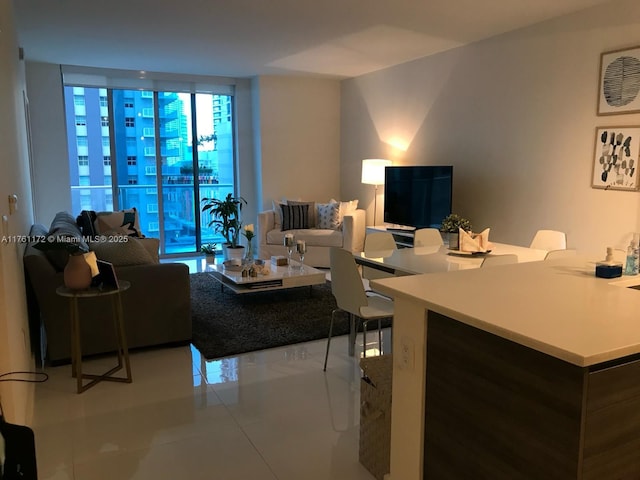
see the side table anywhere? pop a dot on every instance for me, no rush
(76, 344)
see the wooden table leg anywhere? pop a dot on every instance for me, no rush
(76, 361)
(123, 350)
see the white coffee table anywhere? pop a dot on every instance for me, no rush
(279, 278)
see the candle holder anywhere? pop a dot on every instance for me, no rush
(289, 242)
(301, 248)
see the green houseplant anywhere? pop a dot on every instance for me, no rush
(451, 225)
(208, 248)
(225, 217)
(453, 222)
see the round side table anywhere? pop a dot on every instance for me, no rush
(76, 344)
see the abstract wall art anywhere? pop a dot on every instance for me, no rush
(616, 158)
(619, 90)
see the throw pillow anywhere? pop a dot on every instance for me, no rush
(346, 208)
(328, 216)
(151, 245)
(278, 211)
(63, 235)
(295, 217)
(85, 222)
(128, 252)
(126, 222)
(312, 211)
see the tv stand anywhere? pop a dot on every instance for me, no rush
(402, 235)
(401, 229)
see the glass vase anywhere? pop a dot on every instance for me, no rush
(249, 251)
(454, 240)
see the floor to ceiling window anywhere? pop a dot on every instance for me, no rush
(135, 148)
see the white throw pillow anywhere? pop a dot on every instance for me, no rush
(346, 208)
(126, 222)
(328, 216)
(277, 208)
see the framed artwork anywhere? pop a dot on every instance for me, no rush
(615, 159)
(619, 90)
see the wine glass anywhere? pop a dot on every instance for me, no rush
(289, 242)
(301, 248)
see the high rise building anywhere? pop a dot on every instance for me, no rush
(126, 155)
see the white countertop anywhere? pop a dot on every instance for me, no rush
(558, 307)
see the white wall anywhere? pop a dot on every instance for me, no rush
(299, 137)
(288, 140)
(15, 354)
(49, 141)
(516, 116)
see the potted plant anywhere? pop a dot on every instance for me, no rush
(209, 249)
(225, 219)
(451, 225)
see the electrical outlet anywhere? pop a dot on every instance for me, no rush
(407, 354)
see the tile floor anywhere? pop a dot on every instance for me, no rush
(268, 415)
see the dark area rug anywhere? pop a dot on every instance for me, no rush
(226, 324)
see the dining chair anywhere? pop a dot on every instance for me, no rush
(495, 260)
(376, 242)
(351, 298)
(563, 253)
(427, 237)
(549, 240)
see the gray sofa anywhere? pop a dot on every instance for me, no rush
(156, 309)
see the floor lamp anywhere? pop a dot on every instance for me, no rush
(373, 174)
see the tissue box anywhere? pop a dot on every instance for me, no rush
(279, 260)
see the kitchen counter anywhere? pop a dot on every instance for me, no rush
(532, 364)
(558, 307)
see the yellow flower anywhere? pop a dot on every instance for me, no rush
(248, 232)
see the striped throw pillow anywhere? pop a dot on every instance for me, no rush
(295, 217)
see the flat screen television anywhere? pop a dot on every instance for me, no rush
(417, 196)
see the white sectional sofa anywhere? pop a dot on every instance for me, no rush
(348, 235)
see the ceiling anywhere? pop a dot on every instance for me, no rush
(244, 38)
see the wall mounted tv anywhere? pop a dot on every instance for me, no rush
(417, 196)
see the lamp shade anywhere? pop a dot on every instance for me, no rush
(373, 170)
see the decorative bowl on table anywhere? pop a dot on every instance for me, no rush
(233, 265)
(457, 251)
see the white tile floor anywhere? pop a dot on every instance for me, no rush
(268, 415)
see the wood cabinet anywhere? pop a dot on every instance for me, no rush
(498, 410)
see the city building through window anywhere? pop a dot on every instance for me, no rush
(120, 164)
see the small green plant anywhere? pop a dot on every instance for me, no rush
(453, 222)
(208, 248)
